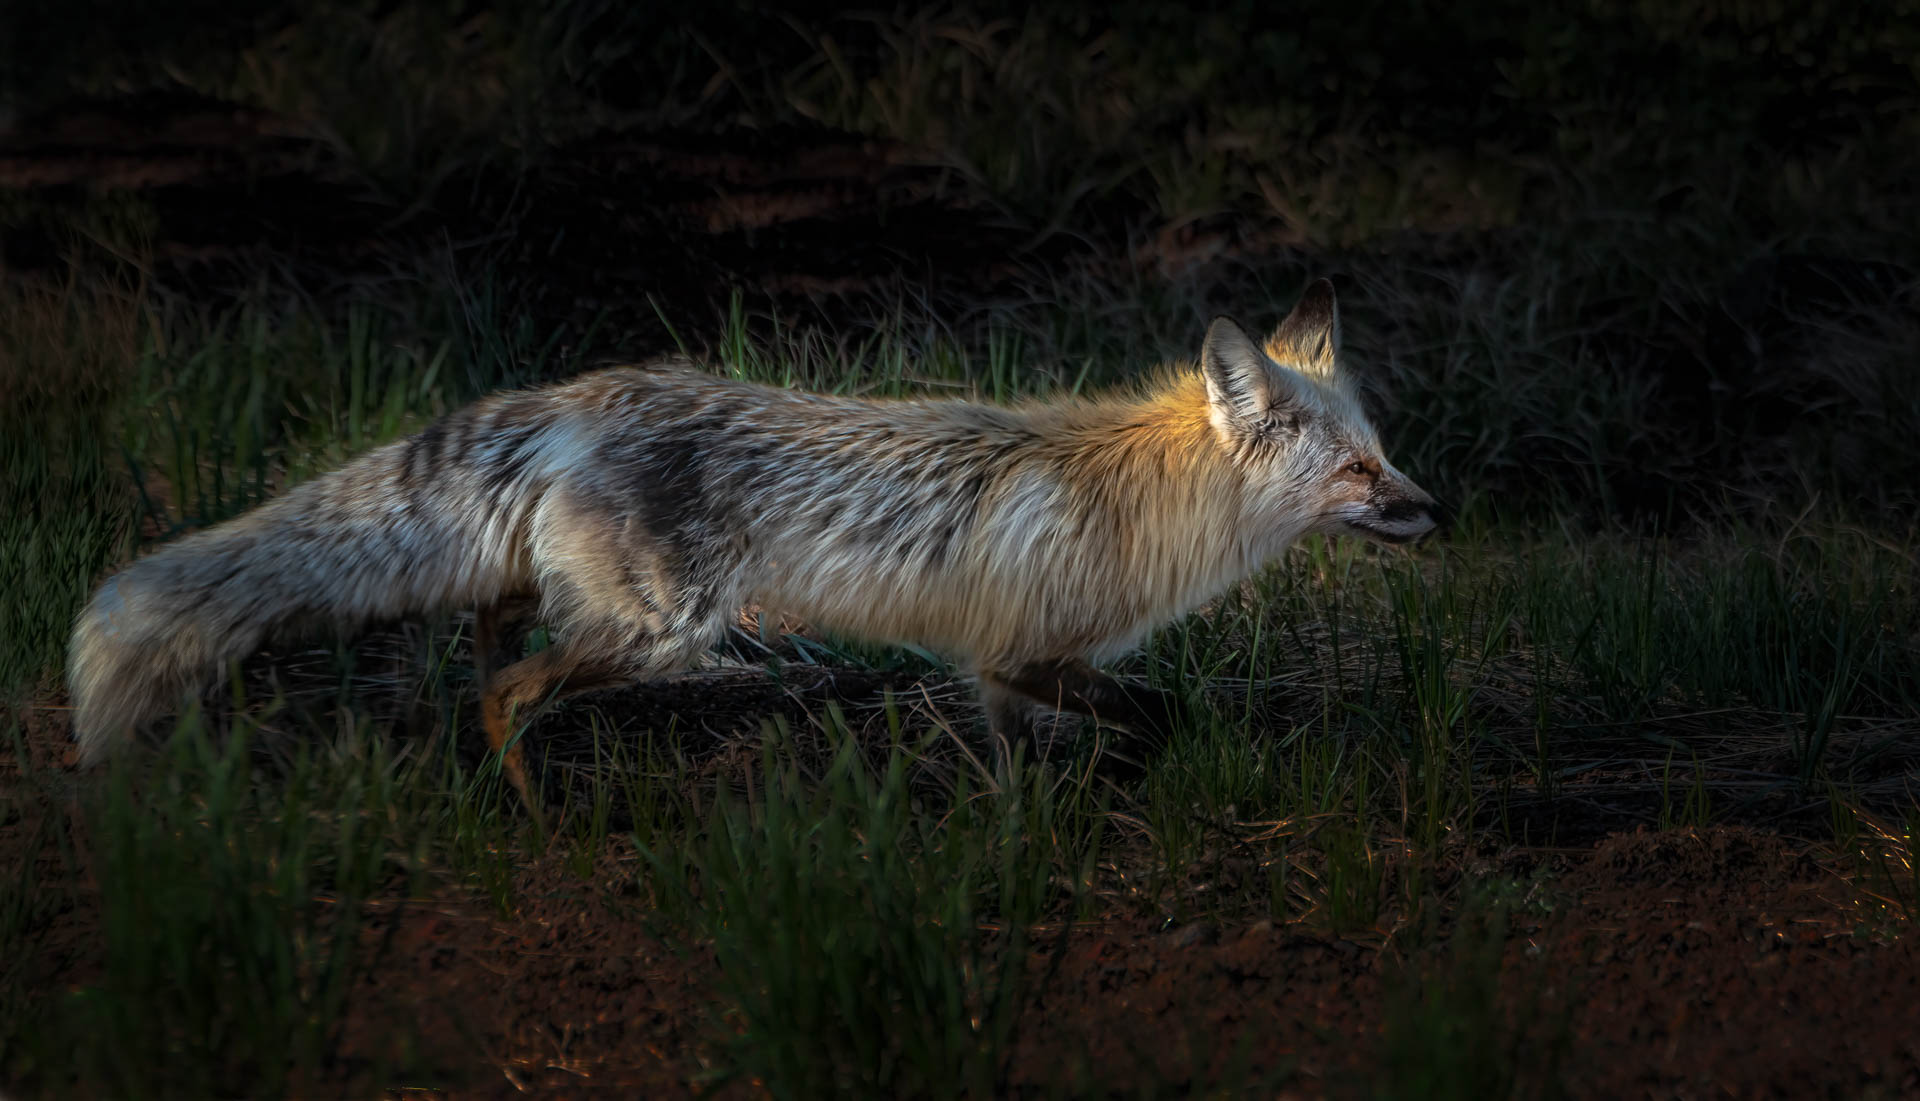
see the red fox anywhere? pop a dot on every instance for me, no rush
(642, 507)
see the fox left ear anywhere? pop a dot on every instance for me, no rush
(1244, 387)
(1309, 339)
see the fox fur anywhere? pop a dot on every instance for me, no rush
(641, 507)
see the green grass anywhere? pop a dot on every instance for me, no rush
(867, 946)
(221, 961)
(66, 505)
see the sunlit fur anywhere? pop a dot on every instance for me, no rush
(644, 506)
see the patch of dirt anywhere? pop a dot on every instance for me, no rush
(569, 993)
(1718, 967)
(1708, 963)
(1727, 962)
(1198, 1004)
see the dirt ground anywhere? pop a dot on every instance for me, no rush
(1726, 961)
(1710, 963)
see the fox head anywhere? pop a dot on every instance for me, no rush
(1312, 460)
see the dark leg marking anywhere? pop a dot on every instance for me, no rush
(1150, 714)
(498, 634)
(1009, 713)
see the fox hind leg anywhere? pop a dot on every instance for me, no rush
(631, 597)
(498, 635)
(600, 656)
(515, 693)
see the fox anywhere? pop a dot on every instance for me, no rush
(637, 509)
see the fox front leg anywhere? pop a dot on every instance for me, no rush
(1010, 720)
(1149, 715)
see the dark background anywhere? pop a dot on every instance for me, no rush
(1695, 196)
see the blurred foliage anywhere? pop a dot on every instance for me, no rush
(1530, 74)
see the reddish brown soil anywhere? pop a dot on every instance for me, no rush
(1704, 963)
(1720, 962)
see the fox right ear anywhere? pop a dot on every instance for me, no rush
(1309, 339)
(1244, 387)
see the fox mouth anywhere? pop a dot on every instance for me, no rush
(1383, 535)
(1396, 537)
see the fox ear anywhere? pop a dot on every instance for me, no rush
(1244, 387)
(1309, 339)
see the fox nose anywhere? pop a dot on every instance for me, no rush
(1442, 517)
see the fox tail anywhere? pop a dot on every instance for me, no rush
(354, 547)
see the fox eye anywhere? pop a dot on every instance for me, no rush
(1357, 468)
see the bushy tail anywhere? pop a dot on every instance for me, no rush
(359, 545)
